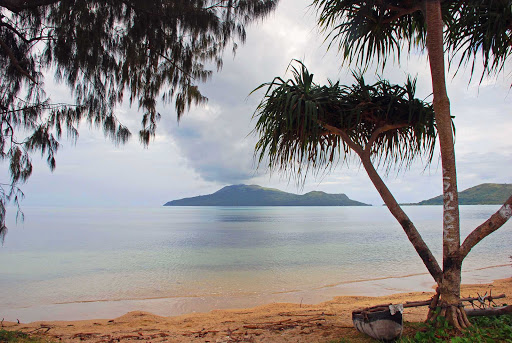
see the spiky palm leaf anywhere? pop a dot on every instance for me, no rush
(299, 123)
(364, 30)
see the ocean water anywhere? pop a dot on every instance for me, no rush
(103, 262)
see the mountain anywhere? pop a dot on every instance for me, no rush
(484, 194)
(253, 195)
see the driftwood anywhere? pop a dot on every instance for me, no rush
(491, 311)
(286, 324)
(290, 314)
(384, 307)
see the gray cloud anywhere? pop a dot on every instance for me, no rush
(210, 147)
(215, 142)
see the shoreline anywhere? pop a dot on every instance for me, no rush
(182, 305)
(276, 322)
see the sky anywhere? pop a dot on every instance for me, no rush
(212, 146)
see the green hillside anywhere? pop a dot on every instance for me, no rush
(253, 195)
(484, 194)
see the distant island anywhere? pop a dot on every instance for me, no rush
(253, 195)
(484, 194)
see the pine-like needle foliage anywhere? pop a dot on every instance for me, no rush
(104, 51)
(303, 125)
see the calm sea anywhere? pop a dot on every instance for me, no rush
(104, 262)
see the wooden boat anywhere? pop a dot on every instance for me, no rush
(385, 322)
(382, 323)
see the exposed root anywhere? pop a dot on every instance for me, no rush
(454, 315)
(433, 306)
(465, 318)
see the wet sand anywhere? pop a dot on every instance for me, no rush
(277, 322)
(167, 306)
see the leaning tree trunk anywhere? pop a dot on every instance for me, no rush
(449, 286)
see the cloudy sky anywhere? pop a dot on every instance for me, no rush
(212, 147)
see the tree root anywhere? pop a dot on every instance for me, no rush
(433, 306)
(465, 318)
(454, 315)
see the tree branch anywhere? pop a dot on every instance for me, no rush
(15, 62)
(358, 149)
(380, 130)
(486, 228)
(410, 230)
(13, 29)
(20, 5)
(187, 74)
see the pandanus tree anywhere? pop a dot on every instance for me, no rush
(302, 125)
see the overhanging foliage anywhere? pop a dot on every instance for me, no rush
(105, 52)
(301, 124)
(364, 30)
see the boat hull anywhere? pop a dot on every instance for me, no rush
(381, 325)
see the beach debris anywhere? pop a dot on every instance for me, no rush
(383, 307)
(128, 337)
(160, 334)
(87, 335)
(291, 314)
(384, 322)
(42, 327)
(484, 301)
(484, 305)
(287, 324)
(239, 338)
(490, 311)
(202, 333)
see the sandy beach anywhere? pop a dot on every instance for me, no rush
(277, 322)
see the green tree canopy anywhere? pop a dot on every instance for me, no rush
(299, 120)
(105, 52)
(367, 30)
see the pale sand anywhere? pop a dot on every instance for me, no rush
(270, 323)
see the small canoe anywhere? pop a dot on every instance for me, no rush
(378, 323)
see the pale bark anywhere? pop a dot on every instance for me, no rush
(486, 228)
(450, 286)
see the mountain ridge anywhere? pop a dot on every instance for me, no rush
(254, 195)
(482, 194)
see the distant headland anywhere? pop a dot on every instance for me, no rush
(253, 195)
(484, 194)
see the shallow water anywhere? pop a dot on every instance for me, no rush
(88, 263)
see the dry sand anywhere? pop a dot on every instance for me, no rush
(275, 323)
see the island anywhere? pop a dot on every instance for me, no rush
(483, 194)
(254, 195)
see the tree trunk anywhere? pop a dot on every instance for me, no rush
(452, 263)
(410, 230)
